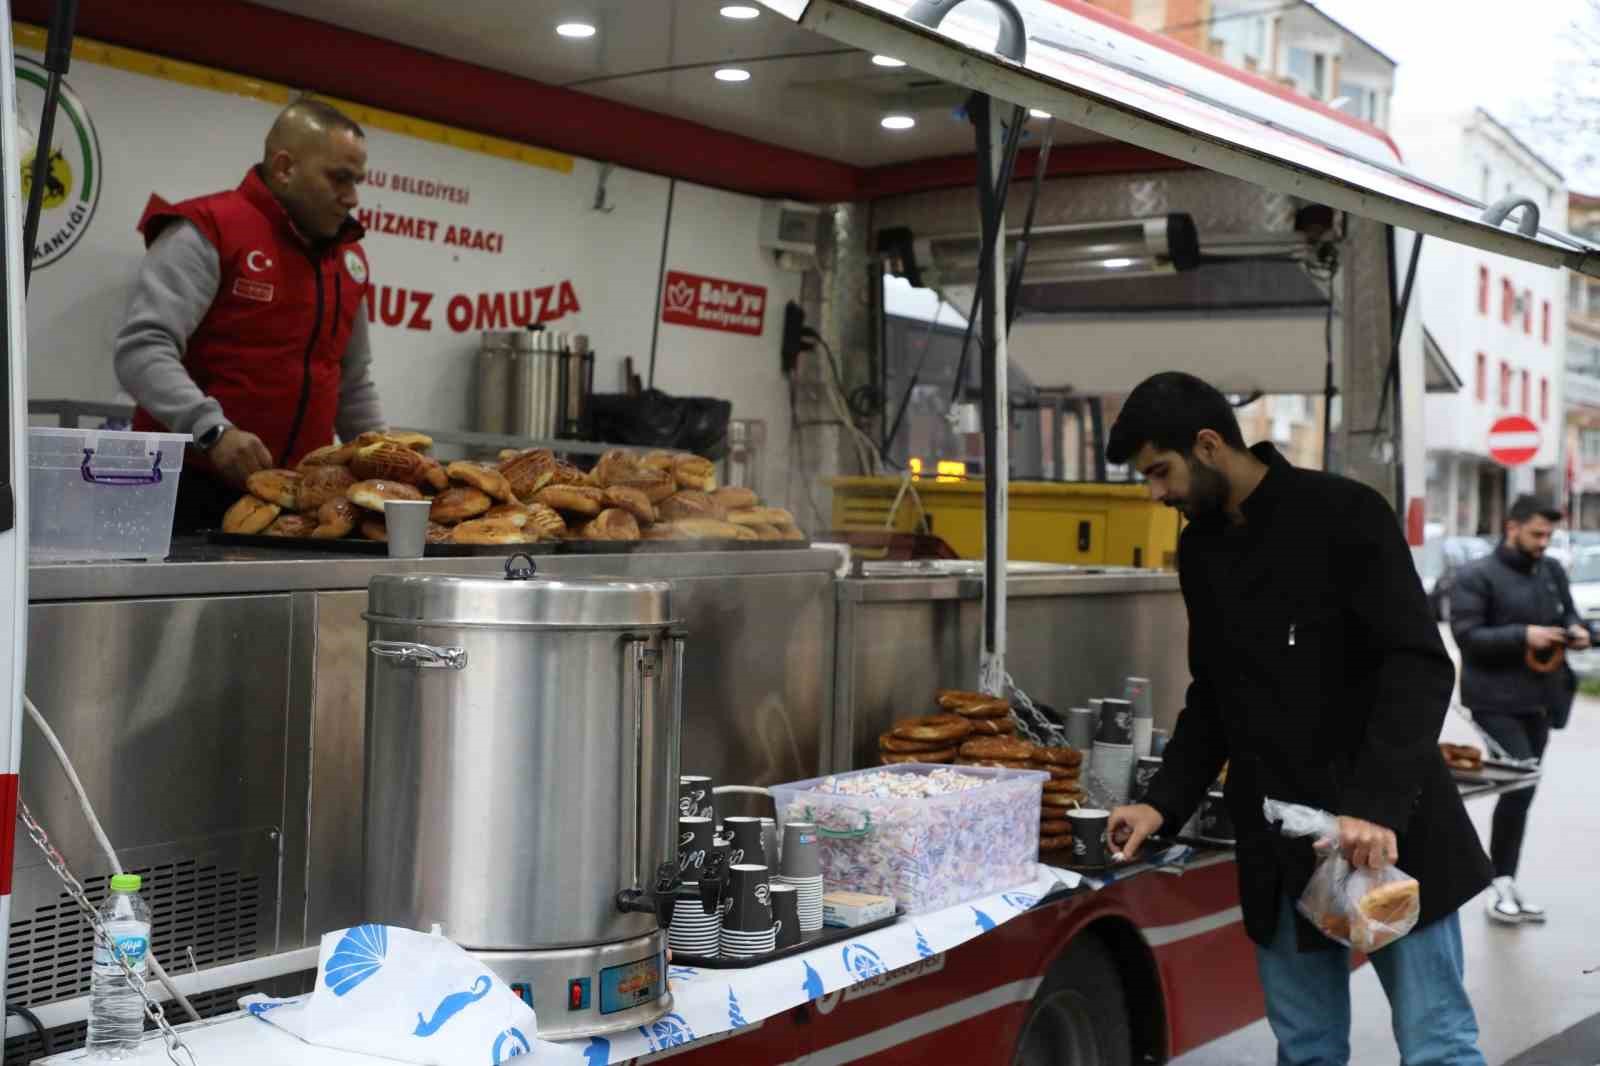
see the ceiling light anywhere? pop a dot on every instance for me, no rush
(741, 11)
(1116, 264)
(575, 30)
(888, 61)
(898, 122)
(1036, 113)
(732, 74)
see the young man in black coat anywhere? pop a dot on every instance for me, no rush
(1513, 616)
(1318, 677)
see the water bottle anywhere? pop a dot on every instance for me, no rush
(116, 1010)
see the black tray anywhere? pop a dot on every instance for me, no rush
(357, 546)
(826, 935)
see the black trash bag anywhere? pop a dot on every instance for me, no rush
(652, 419)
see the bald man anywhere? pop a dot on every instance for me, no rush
(246, 328)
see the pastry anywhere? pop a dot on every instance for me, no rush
(373, 494)
(515, 513)
(765, 532)
(1062, 756)
(693, 472)
(900, 746)
(735, 498)
(889, 758)
(335, 519)
(372, 527)
(1054, 827)
(585, 500)
(1063, 799)
(459, 503)
(698, 529)
(790, 532)
(615, 467)
(945, 727)
(689, 504)
(291, 525)
(485, 479)
(328, 455)
(653, 483)
(250, 515)
(564, 473)
(974, 704)
(437, 534)
(1336, 926)
(488, 531)
(1060, 773)
(1056, 786)
(612, 524)
(1391, 903)
(633, 501)
(659, 460)
(528, 472)
(1461, 756)
(417, 442)
(1055, 843)
(388, 461)
(994, 727)
(434, 475)
(281, 487)
(998, 747)
(544, 522)
(319, 484)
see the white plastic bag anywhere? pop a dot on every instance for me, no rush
(1362, 909)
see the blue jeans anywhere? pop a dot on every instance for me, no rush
(1308, 997)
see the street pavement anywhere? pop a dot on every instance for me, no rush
(1535, 1005)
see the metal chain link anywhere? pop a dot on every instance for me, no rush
(1032, 723)
(58, 863)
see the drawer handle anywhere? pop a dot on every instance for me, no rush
(424, 656)
(1083, 536)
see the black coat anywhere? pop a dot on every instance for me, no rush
(1494, 601)
(1320, 678)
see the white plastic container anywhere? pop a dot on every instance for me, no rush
(926, 853)
(101, 494)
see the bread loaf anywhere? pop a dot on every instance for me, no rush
(281, 487)
(1391, 903)
(544, 522)
(735, 498)
(389, 461)
(528, 472)
(434, 476)
(249, 516)
(689, 504)
(319, 484)
(328, 455)
(488, 531)
(371, 495)
(693, 472)
(459, 503)
(633, 501)
(336, 518)
(584, 500)
(612, 524)
(485, 479)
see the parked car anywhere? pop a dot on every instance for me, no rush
(1584, 573)
(1442, 557)
(1567, 544)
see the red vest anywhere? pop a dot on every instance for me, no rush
(271, 347)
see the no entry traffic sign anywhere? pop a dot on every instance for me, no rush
(1513, 440)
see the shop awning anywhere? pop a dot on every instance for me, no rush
(1096, 72)
(1441, 375)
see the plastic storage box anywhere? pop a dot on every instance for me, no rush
(928, 853)
(101, 494)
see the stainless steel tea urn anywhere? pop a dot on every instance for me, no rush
(521, 781)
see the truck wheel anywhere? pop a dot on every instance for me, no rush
(1080, 1015)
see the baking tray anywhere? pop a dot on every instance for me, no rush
(827, 935)
(357, 546)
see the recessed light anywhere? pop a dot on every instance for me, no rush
(1036, 113)
(1116, 264)
(575, 30)
(741, 11)
(888, 61)
(897, 122)
(732, 74)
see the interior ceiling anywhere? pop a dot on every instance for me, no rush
(805, 92)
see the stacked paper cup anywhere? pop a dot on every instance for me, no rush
(693, 931)
(748, 931)
(1112, 766)
(1136, 690)
(802, 868)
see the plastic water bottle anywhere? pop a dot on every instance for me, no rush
(116, 1010)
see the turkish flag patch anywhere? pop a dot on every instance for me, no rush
(253, 290)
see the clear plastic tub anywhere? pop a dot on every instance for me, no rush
(928, 853)
(101, 494)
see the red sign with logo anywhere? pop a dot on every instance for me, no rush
(713, 303)
(1513, 440)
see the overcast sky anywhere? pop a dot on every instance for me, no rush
(1459, 53)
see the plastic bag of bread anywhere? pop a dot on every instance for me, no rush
(1360, 908)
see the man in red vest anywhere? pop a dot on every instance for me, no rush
(246, 326)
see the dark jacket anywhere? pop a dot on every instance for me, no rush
(1494, 601)
(1320, 678)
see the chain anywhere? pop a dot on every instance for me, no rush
(1032, 723)
(152, 1009)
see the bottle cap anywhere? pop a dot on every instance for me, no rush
(126, 883)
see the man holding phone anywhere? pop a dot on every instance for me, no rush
(1513, 618)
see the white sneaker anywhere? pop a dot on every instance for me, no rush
(1502, 904)
(1531, 912)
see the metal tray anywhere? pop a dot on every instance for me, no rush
(357, 546)
(821, 939)
(1495, 772)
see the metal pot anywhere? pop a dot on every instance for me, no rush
(522, 767)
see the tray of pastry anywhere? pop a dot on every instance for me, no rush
(1469, 766)
(448, 550)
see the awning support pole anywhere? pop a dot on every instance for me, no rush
(991, 134)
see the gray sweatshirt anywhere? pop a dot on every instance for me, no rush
(177, 281)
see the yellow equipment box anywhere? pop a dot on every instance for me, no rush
(1051, 522)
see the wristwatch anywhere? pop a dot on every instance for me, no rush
(208, 440)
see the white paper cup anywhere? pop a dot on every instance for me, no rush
(406, 523)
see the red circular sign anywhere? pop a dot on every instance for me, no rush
(1513, 440)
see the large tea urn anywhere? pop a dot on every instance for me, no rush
(521, 781)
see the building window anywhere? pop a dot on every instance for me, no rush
(1591, 445)
(1544, 399)
(1527, 312)
(1485, 195)
(1508, 301)
(1309, 71)
(1483, 290)
(1527, 393)
(1482, 382)
(1544, 321)
(1505, 386)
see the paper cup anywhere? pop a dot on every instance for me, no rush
(695, 843)
(1116, 722)
(800, 858)
(744, 841)
(752, 899)
(786, 913)
(1136, 690)
(1089, 836)
(406, 526)
(1082, 722)
(769, 842)
(1144, 772)
(695, 797)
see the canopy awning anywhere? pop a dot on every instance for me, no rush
(1094, 71)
